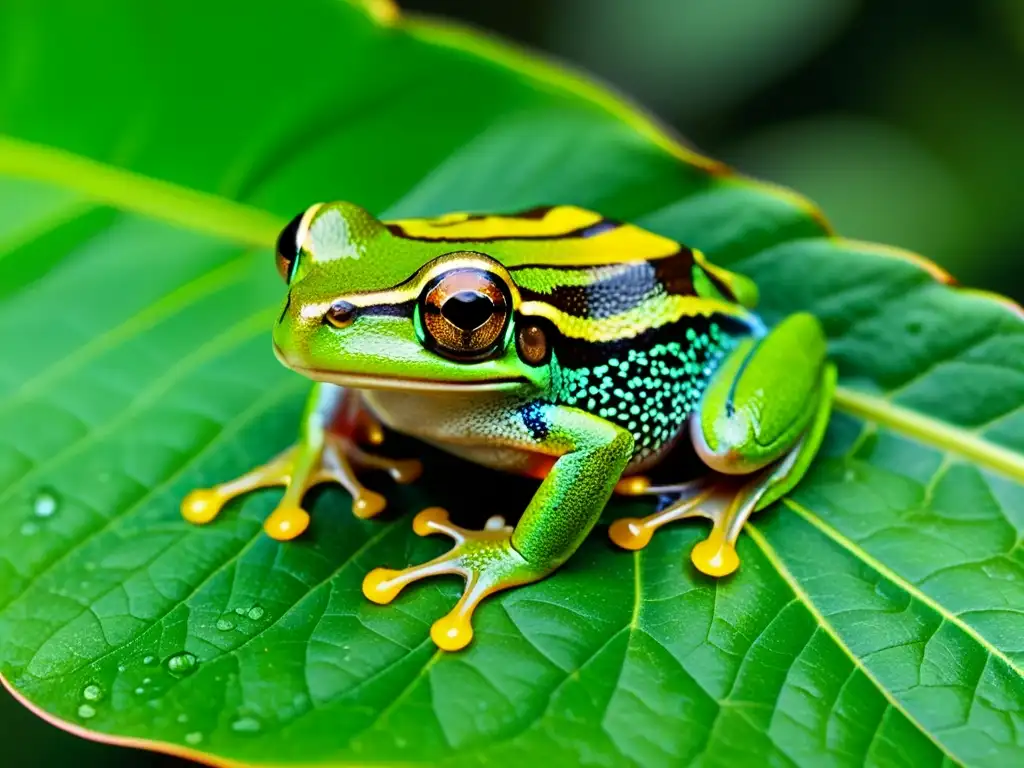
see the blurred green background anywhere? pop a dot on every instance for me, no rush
(903, 120)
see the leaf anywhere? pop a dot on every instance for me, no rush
(878, 613)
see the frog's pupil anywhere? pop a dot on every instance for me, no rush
(467, 310)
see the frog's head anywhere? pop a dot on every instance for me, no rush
(367, 308)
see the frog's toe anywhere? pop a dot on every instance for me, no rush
(485, 558)
(286, 522)
(341, 457)
(202, 505)
(631, 532)
(715, 556)
(368, 504)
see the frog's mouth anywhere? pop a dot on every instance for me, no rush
(406, 384)
(400, 383)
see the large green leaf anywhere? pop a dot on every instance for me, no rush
(148, 153)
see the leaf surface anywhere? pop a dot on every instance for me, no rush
(878, 616)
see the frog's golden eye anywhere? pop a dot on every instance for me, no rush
(465, 313)
(287, 251)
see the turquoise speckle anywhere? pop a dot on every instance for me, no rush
(653, 392)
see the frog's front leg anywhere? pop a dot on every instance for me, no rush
(592, 454)
(333, 423)
(759, 425)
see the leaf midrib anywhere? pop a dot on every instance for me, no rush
(913, 590)
(128, 191)
(825, 626)
(244, 224)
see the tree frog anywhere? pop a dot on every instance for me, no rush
(554, 343)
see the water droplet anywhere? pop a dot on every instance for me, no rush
(193, 738)
(224, 625)
(140, 690)
(256, 613)
(183, 718)
(147, 680)
(122, 668)
(85, 711)
(29, 529)
(246, 725)
(45, 503)
(149, 661)
(92, 692)
(240, 611)
(849, 476)
(181, 664)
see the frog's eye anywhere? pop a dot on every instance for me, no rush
(465, 313)
(287, 251)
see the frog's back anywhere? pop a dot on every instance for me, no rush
(637, 321)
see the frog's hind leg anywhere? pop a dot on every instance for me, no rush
(327, 451)
(759, 426)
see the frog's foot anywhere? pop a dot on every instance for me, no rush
(486, 559)
(298, 469)
(726, 503)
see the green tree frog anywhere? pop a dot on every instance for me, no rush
(554, 343)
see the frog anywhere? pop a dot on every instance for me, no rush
(556, 343)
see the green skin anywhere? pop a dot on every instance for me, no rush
(764, 400)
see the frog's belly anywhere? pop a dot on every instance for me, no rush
(515, 460)
(476, 427)
(470, 426)
(523, 461)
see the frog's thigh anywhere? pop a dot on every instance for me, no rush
(763, 418)
(762, 398)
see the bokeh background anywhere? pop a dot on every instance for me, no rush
(903, 119)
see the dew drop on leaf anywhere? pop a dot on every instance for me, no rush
(224, 625)
(181, 664)
(182, 718)
(246, 725)
(29, 529)
(193, 738)
(149, 661)
(85, 711)
(45, 503)
(92, 692)
(240, 611)
(256, 613)
(140, 690)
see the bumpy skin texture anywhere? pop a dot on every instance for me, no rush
(553, 343)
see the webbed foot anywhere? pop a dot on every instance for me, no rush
(320, 456)
(485, 558)
(726, 504)
(727, 501)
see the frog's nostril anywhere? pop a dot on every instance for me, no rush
(341, 314)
